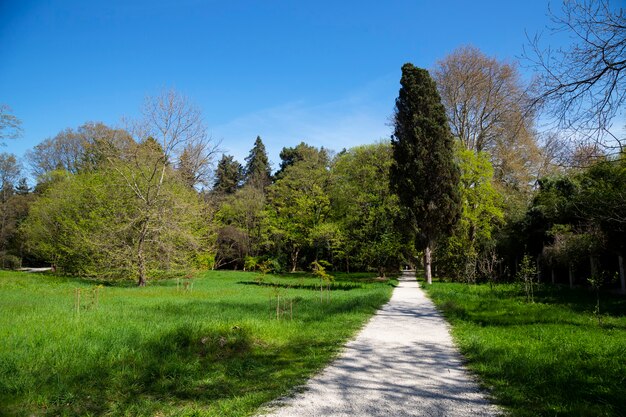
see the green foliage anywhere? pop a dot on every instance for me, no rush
(597, 280)
(250, 263)
(302, 152)
(228, 175)
(481, 214)
(8, 261)
(242, 223)
(366, 210)
(579, 215)
(319, 270)
(258, 172)
(205, 261)
(299, 207)
(424, 174)
(545, 358)
(89, 223)
(159, 351)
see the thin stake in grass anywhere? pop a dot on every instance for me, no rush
(77, 301)
(325, 279)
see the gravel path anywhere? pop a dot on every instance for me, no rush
(402, 363)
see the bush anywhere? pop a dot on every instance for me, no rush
(205, 261)
(250, 263)
(10, 261)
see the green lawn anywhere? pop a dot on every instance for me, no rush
(215, 349)
(548, 358)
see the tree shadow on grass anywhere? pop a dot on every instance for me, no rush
(582, 300)
(544, 358)
(190, 366)
(334, 286)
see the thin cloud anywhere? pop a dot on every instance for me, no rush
(355, 119)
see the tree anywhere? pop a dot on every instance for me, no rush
(228, 175)
(487, 105)
(481, 214)
(289, 156)
(170, 123)
(195, 163)
(299, 204)
(86, 148)
(365, 208)
(424, 174)
(91, 224)
(601, 200)
(257, 171)
(10, 126)
(241, 215)
(582, 85)
(10, 171)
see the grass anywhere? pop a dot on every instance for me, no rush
(214, 350)
(548, 358)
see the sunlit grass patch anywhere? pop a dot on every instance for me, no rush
(548, 358)
(212, 348)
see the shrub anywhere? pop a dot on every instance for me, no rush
(10, 261)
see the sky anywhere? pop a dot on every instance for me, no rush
(323, 72)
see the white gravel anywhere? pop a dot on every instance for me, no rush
(402, 363)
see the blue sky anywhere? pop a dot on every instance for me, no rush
(324, 72)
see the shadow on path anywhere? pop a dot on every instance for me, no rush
(402, 363)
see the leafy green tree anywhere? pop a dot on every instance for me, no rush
(242, 225)
(299, 204)
(578, 215)
(258, 172)
(289, 156)
(228, 175)
(10, 201)
(365, 208)
(602, 200)
(92, 224)
(481, 214)
(424, 174)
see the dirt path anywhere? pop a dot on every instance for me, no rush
(402, 363)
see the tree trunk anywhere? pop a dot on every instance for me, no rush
(592, 266)
(553, 280)
(142, 269)
(622, 273)
(571, 276)
(427, 261)
(539, 271)
(141, 264)
(294, 259)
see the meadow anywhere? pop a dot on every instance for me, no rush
(552, 357)
(209, 346)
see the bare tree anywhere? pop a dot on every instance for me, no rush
(583, 84)
(74, 150)
(170, 125)
(487, 106)
(195, 163)
(10, 126)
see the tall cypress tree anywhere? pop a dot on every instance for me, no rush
(258, 172)
(424, 174)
